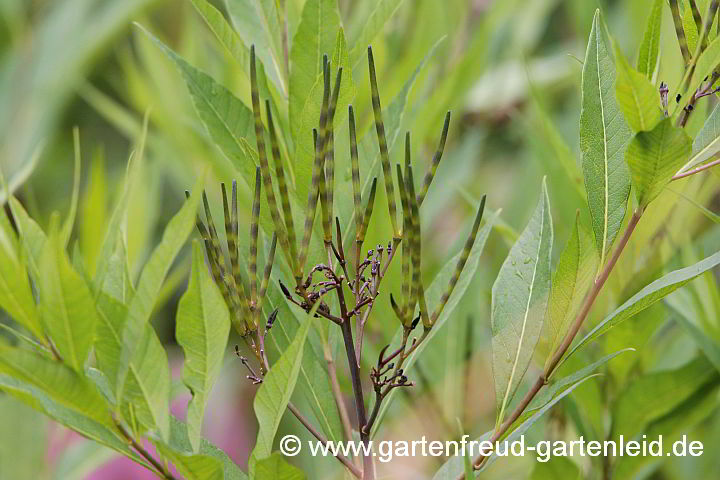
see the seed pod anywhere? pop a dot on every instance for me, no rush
(432, 168)
(267, 272)
(406, 245)
(382, 142)
(254, 221)
(355, 167)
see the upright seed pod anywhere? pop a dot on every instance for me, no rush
(432, 168)
(267, 272)
(355, 167)
(330, 156)
(264, 167)
(417, 287)
(406, 316)
(382, 142)
(254, 221)
(460, 263)
(317, 186)
(282, 183)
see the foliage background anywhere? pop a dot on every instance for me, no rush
(68, 63)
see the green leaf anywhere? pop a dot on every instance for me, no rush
(62, 384)
(227, 120)
(94, 212)
(179, 448)
(654, 157)
(316, 36)
(224, 32)
(16, 297)
(372, 25)
(308, 119)
(648, 296)
(202, 326)
(138, 347)
(653, 395)
(258, 22)
(689, 26)
(32, 236)
(637, 97)
(195, 466)
(573, 276)
(66, 304)
(274, 394)
(603, 138)
(313, 377)
(707, 142)
(434, 293)
(276, 468)
(519, 304)
(648, 52)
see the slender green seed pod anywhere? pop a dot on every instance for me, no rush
(709, 19)
(254, 221)
(397, 309)
(360, 237)
(267, 272)
(262, 157)
(460, 263)
(230, 231)
(697, 18)
(282, 183)
(330, 152)
(355, 166)
(317, 186)
(432, 168)
(679, 31)
(406, 246)
(417, 286)
(382, 142)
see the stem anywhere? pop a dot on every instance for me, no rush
(159, 469)
(696, 170)
(562, 349)
(337, 392)
(368, 473)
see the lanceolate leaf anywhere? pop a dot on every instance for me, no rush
(573, 276)
(202, 328)
(228, 121)
(654, 157)
(648, 296)
(224, 32)
(16, 297)
(519, 303)
(193, 465)
(433, 294)
(274, 394)
(66, 305)
(603, 138)
(707, 142)
(32, 236)
(316, 36)
(648, 52)
(136, 343)
(638, 99)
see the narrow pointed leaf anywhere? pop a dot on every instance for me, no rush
(638, 99)
(274, 394)
(372, 25)
(654, 157)
(573, 276)
(66, 305)
(519, 304)
(69, 223)
(276, 468)
(603, 138)
(16, 297)
(650, 294)
(202, 328)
